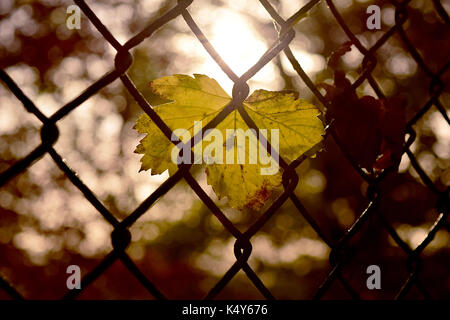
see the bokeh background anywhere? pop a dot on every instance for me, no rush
(46, 224)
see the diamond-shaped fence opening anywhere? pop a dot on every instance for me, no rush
(342, 250)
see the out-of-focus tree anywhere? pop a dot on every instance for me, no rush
(46, 224)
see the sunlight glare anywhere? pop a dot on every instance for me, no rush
(239, 45)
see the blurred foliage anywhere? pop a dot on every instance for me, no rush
(46, 224)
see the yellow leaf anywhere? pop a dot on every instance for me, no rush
(195, 99)
(200, 99)
(296, 119)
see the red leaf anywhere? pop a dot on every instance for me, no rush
(371, 130)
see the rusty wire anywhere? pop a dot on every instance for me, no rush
(340, 252)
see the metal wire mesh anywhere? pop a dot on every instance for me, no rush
(340, 252)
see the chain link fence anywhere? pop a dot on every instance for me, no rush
(341, 252)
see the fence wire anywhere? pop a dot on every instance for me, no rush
(340, 250)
